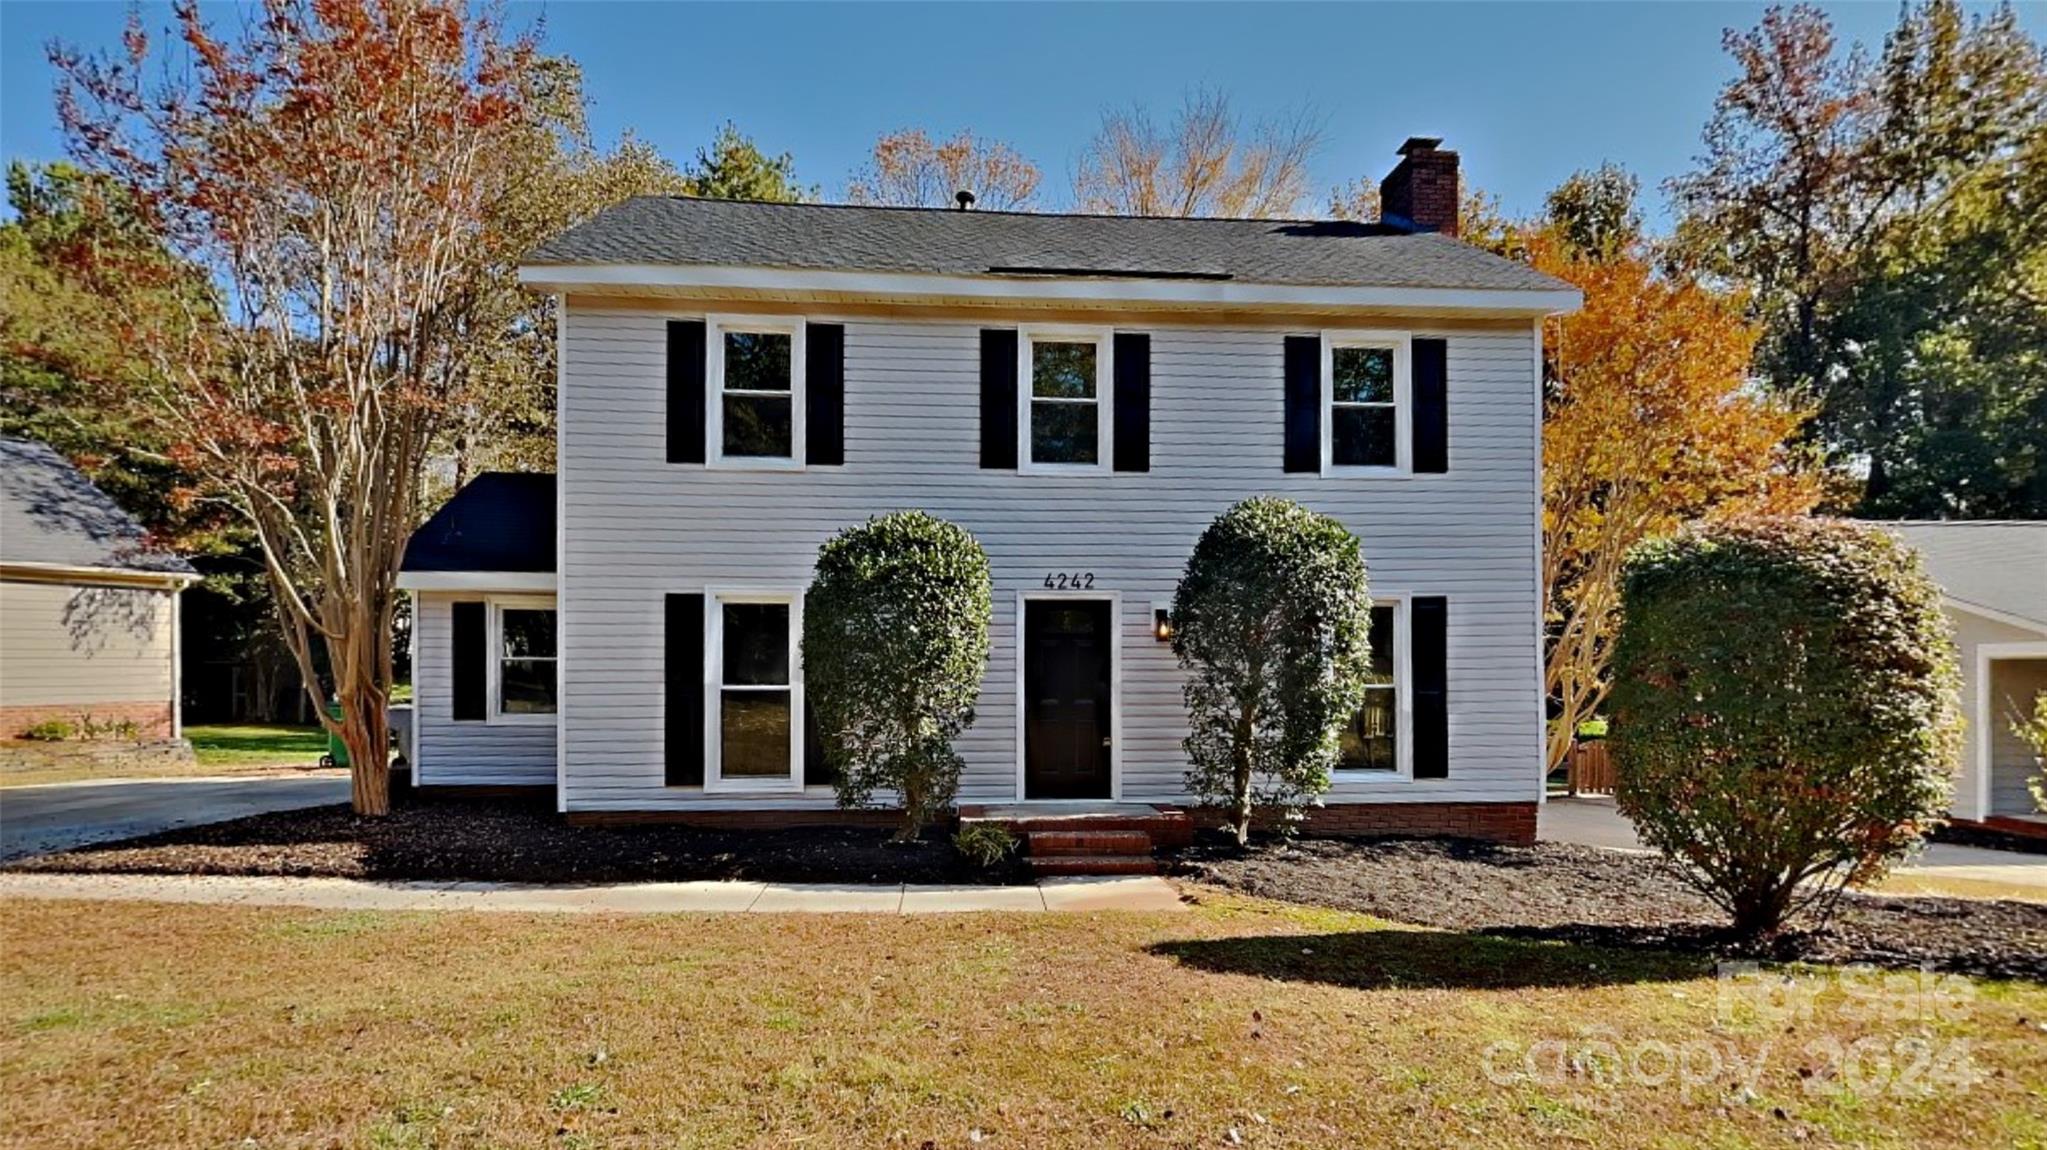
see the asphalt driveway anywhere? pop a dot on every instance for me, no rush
(34, 820)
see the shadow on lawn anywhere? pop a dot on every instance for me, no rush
(1424, 959)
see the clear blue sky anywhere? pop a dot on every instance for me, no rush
(1527, 92)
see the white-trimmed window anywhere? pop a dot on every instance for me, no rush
(755, 686)
(1377, 738)
(1366, 400)
(755, 391)
(524, 658)
(1064, 418)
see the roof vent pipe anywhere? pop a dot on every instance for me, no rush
(964, 198)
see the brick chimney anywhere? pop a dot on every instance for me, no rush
(1422, 192)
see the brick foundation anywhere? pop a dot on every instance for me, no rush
(1512, 823)
(1499, 822)
(2006, 824)
(738, 820)
(152, 720)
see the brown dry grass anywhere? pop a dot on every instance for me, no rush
(160, 1025)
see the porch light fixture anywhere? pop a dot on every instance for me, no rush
(1162, 624)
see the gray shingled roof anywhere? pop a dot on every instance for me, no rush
(51, 513)
(834, 237)
(2000, 564)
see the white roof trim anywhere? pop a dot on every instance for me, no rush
(476, 581)
(67, 572)
(1044, 289)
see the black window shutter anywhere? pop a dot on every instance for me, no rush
(1133, 401)
(1303, 403)
(1431, 405)
(1429, 647)
(685, 391)
(469, 664)
(683, 680)
(824, 394)
(818, 769)
(998, 399)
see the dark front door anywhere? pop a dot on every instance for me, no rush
(1066, 698)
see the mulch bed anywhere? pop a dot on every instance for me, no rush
(1584, 895)
(518, 841)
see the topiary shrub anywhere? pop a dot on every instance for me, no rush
(895, 640)
(1270, 623)
(1785, 715)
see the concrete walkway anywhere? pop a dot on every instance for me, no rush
(36, 820)
(1052, 894)
(1939, 868)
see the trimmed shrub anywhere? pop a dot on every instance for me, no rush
(49, 731)
(1271, 623)
(895, 640)
(1785, 715)
(2033, 733)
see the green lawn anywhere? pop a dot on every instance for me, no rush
(251, 745)
(1237, 1022)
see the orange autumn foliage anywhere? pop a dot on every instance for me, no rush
(1649, 420)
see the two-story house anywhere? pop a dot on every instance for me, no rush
(1085, 394)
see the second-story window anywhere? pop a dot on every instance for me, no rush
(756, 403)
(1064, 376)
(1365, 387)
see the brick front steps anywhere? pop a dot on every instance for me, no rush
(1109, 839)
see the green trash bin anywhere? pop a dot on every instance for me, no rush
(337, 751)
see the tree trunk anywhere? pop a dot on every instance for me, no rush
(365, 733)
(1240, 781)
(1759, 911)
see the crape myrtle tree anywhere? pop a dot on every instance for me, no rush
(895, 641)
(1271, 623)
(332, 168)
(1785, 714)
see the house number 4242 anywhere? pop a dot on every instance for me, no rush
(1070, 581)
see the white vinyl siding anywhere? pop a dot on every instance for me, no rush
(71, 644)
(636, 528)
(468, 753)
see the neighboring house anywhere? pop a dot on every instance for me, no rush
(88, 612)
(1085, 395)
(1993, 578)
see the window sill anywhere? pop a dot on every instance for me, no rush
(1360, 471)
(543, 719)
(752, 787)
(754, 463)
(1064, 469)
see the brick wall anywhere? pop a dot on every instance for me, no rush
(1499, 822)
(152, 720)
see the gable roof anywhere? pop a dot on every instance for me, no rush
(1992, 565)
(500, 521)
(51, 515)
(681, 230)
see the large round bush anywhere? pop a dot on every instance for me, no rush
(1270, 622)
(1784, 708)
(895, 640)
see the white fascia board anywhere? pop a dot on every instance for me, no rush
(476, 581)
(1044, 289)
(110, 576)
(1994, 615)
